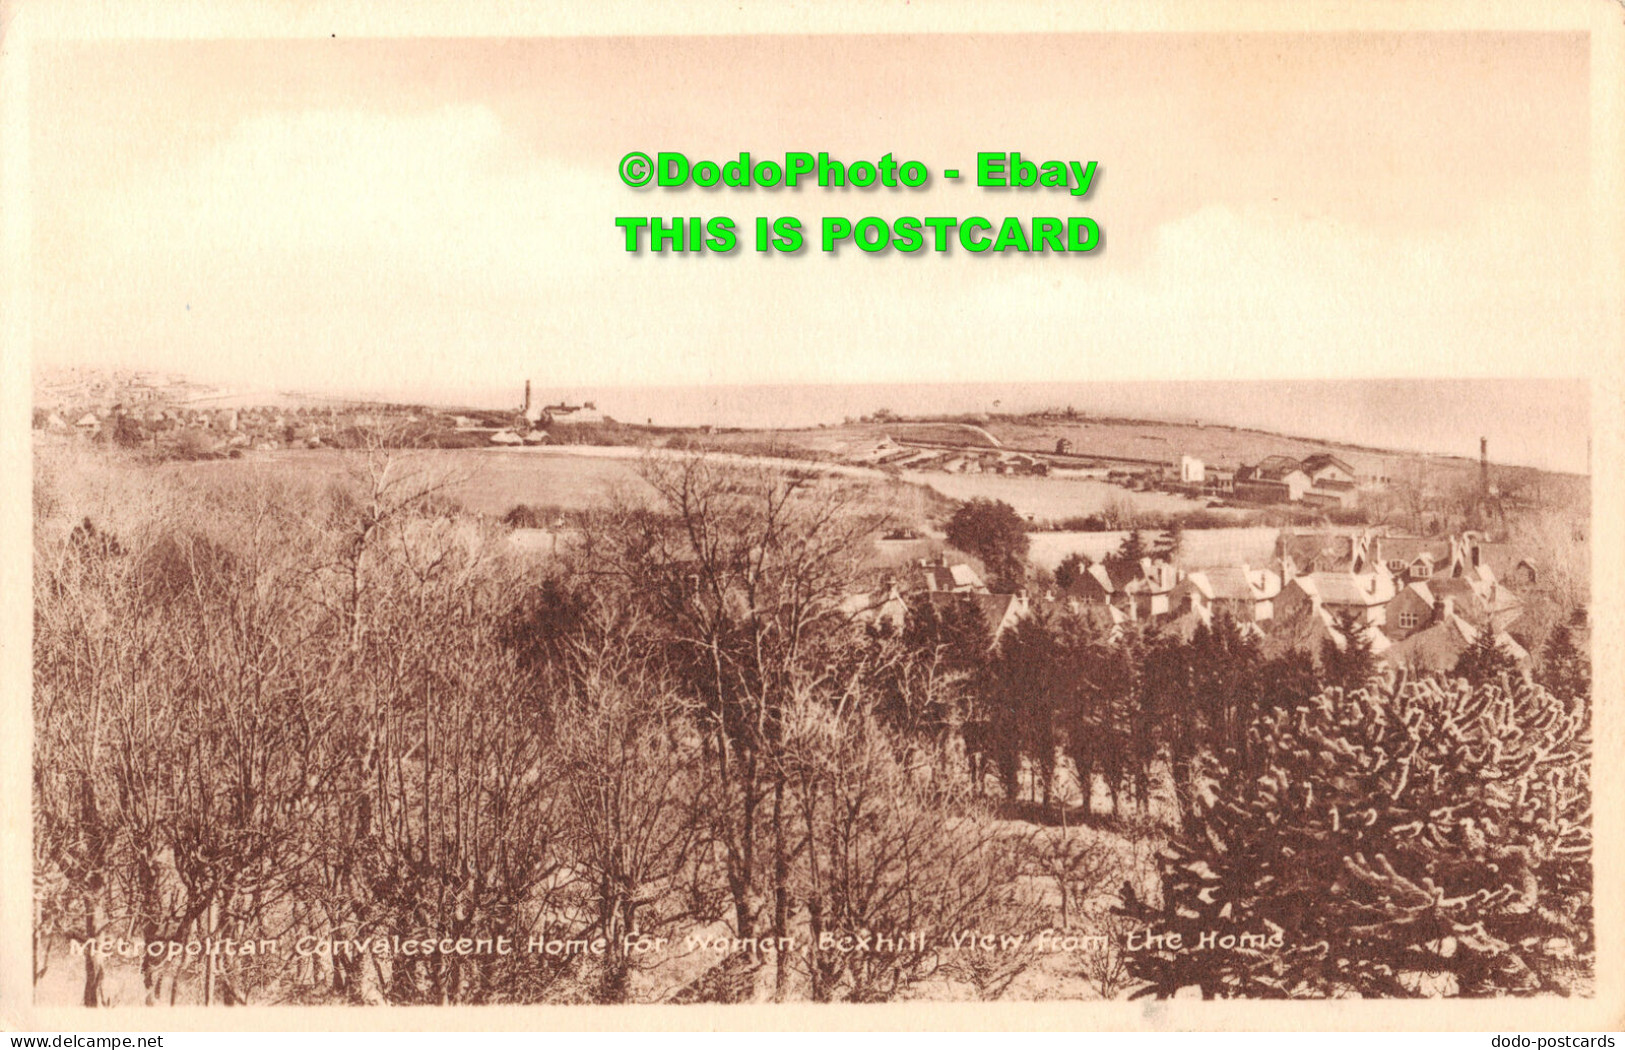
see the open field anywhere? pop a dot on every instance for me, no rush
(488, 482)
(1216, 445)
(1050, 499)
(564, 478)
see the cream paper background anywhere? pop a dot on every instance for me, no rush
(1598, 282)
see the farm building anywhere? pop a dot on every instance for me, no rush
(1275, 479)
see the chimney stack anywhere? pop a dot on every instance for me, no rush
(527, 398)
(1484, 465)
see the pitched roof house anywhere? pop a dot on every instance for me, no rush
(1309, 634)
(1246, 594)
(884, 607)
(937, 575)
(1326, 471)
(1106, 620)
(1510, 563)
(1141, 589)
(1274, 479)
(1439, 645)
(1301, 552)
(1364, 593)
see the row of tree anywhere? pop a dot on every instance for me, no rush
(269, 711)
(277, 712)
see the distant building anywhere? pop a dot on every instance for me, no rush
(1275, 479)
(1218, 481)
(1326, 471)
(883, 608)
(1190, 470)
(1142, 590)
(934, 575)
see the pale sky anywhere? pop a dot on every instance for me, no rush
(384, 213)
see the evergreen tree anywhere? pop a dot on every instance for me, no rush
(1288, 680)
(1026, 687)
(1387, 834)
(995, 533)
(1564, 669)
(1487, 660)
(1070, 571)
(1125, 560)
(1168, 543)
(1353, 664)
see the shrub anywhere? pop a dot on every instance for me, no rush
(1398, 840)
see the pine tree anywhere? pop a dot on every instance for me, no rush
(1168, 543)
(1352, 664)
(1564, 669)
(1487, 660)
(1125, 560)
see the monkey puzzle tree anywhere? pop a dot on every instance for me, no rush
(1399, 840)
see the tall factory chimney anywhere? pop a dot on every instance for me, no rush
(1484, 465)
(526, 409)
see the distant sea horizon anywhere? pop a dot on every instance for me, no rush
(1541, 423)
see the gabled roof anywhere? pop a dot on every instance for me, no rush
(947, 577)
(1478, 600)
(1274, 468)
(1094, 579)
(1147, 576)
(1439, 646)
(1237, 584)
(1503, 558)
(1107, 619)
(1408, 549)
(1347, 588)
(1322, 460)
(1421, 590)
(1186, 623)
(1308, 633)
(1336, 549)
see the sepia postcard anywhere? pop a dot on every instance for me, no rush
(985, 517)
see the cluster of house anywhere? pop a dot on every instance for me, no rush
(261, 428)
(1320, 480)
(529, 425)
(1419, 602)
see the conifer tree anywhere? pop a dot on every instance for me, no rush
(1487, 660)
(1352, 664)
(1564, 669)
(1414, 838)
